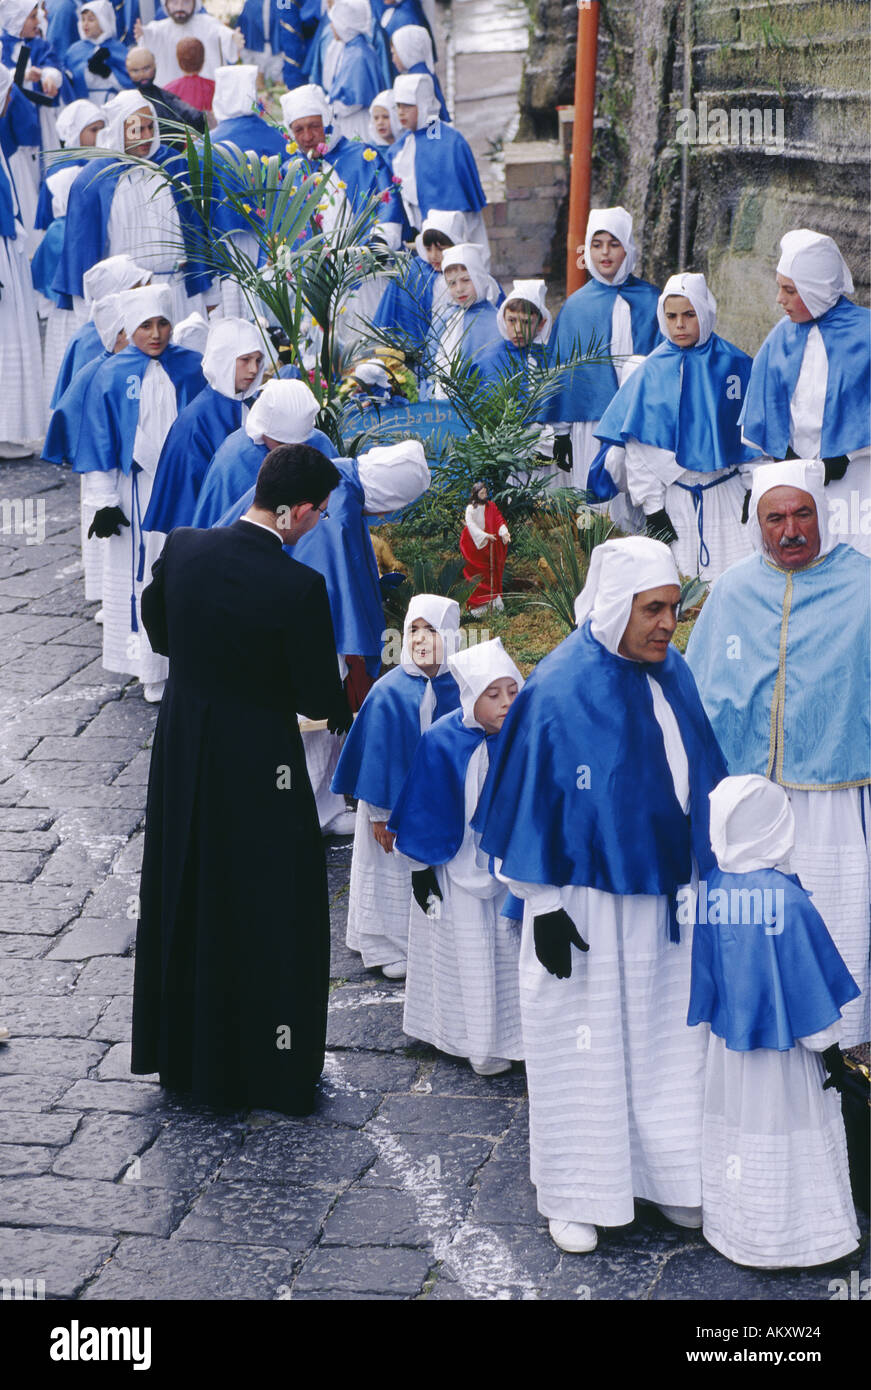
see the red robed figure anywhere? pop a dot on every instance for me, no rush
(488, 563)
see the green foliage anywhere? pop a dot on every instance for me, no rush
(427, 576)
(566, 546)
(692, 593)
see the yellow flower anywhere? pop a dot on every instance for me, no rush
(369, 155)
(291, 147)
(342, 184)
(264, 159)
(247, 207)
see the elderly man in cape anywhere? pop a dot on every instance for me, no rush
(595, 809)
(780, 652)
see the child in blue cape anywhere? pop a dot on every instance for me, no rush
(462, 990)
(468, 326)
(373, 766)
(767, 978)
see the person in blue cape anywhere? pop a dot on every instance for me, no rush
(780, 652)
(30, 129)
(770, 986)
(352, 76)
(126, 15)
(373, 765)
(235, 108)
(60, 323)
(284, 413)
(396, 14)
(416, 301)
(461, 989)
(97, 61)
(116, 208)
(595, 810)
(68, 419)
(809, 394)
(78, 126)
(412, 51)
(109, 276)
(130, 404)
(384, 127)
(469, 329)
(524, 323)
(233, 364)
(671, 435)
(63, 25)
(274, 38)
(433, 160)
(613, 314)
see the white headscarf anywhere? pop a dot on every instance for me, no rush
(387, 101)
(816, 267)
(350, 18)
(59, 185)
(229, 339)
(116, 112)
(72, 120)
(192, 333)
(806, 474)
(284, 410)
(535, 292)
(450, 224)
(618, 571)
(108, 319)
(443, 614)
(104, 13)
(477, 668)
(310, 100)
(235, 91)
(416, 89)
(618, 222)
(413, 45)
(752, 824)
(111, 276)
(471, 256)
(13, 14)
(694, 288)
(148, 302)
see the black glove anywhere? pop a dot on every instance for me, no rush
(562, 452)
(658, 525)
(107, 522)
(833, 1061)
(555, 934)
(424, 883)
(98, 63)
(835, 469)
(341, 719)
(745, 510)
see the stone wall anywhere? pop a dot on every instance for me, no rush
(803, 62)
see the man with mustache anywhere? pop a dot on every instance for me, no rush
(780, 653)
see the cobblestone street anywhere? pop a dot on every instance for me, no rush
(410, 1182)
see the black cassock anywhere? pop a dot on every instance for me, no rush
(233, 943)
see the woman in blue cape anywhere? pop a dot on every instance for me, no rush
(412, 51)
(434, 161)
(596, 810)
(671, 436)
(809, 394)
(68, 418)
(468, 329)
(770, 984)
(352, 75)
(97, 61)
(461, 989)
(373, 765)
(613, 314)
(233, 365)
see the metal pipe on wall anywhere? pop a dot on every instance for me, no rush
(686, 97)
(582, 137)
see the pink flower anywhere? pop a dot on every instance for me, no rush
(396, 179)
(385, 197)
(318, 219)
(320, 149)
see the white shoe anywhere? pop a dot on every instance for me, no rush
(342, 824)
(490, 1066)
(395, 971)
(153, 692)
(15, 451)
(691, 1217)
(574, 1237)
(98, 616)
(4, 1033)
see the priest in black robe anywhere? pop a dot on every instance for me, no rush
(233, 943)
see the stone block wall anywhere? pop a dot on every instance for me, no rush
(525, 229)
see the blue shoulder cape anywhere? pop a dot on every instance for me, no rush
(63, 25)
(285, 34)
(44, 214)
(84, 345)
(365, 178)
(196, 434)
(579, 789)
(503, 361)
(405, 306)
(250, 132)
(68, 416)
(769, 973)
(480, 330)
(800, 717)
(444, 169)
(111, 404)
(358, 75)
(20, 124)
(78, 56)
(583, 325)
(686, 400)
(227, 487)
(429, 819)
(313, 63)
(42, 267)
(406, 12)
(846, 333)
(380, 744)
(88, 209)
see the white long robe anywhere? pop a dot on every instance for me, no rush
(144, 224)
(22, 408)
(162, 36)
(379, 898)
(615, 1075)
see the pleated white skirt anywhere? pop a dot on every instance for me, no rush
(379, 899)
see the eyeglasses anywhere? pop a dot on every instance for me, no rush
(323, 512)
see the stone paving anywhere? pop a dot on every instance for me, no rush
(410, 1182)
